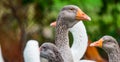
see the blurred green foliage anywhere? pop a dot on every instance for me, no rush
(21, 19)
(40, 13)
(104, 14)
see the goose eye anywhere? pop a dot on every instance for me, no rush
(71, 9)
(108, 41)
(44, 47)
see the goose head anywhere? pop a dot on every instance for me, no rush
(108, 43)
(70, 15)
(32, 43)
(50, 52)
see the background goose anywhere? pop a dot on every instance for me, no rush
(68, 17)
(31, 52)
(110, 45)
(93, 54)
(50, 52)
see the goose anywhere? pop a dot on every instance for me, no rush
(110, 45)
(49, 51)
(68, 17)
(93, 54)
(80, 42)
(31, 52)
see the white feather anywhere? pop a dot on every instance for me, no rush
(31, 52)
(80, 41)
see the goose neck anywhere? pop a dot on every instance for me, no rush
(62, 41)
(114, 55)
(61, 36)
(80, 40)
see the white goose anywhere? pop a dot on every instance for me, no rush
(31, 52)
(80, 41)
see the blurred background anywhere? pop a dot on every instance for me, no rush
(22, 20)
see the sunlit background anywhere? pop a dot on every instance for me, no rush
(22, 20)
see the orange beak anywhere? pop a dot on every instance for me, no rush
(82, 16)
(53, 24)
(97, 43)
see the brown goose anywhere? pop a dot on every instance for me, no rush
(67, 18)
(110, 45)
(50, 52)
